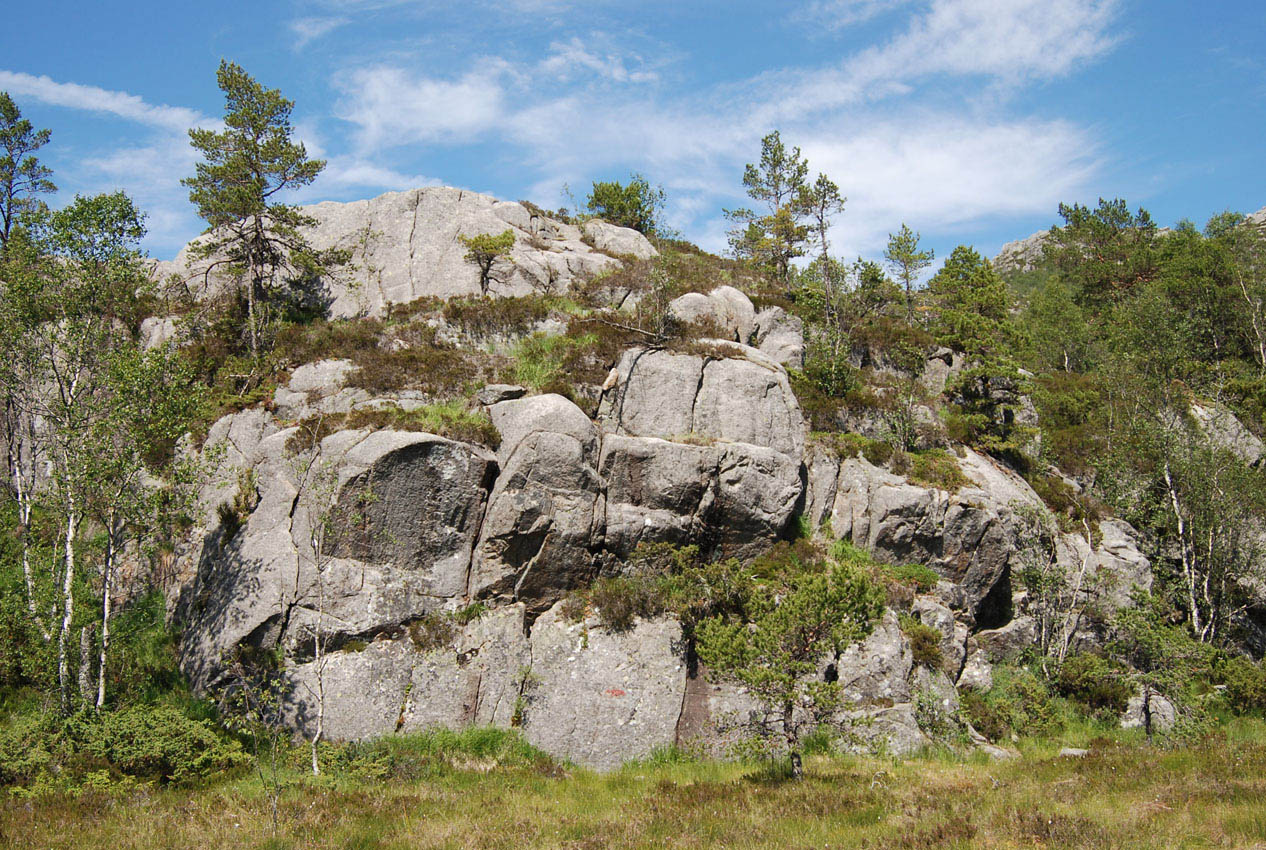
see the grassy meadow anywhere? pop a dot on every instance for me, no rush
(486, 790)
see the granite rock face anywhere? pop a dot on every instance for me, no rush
(406, 245)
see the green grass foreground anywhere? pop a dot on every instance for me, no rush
(1125, 793)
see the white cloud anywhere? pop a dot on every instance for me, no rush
(567, 59)
(391, 107)
(309, 29)
(940, 171)
(92, 98)
(837, 14)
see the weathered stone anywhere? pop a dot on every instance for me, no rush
(159, 331)
(621, 241)
(1008, 642)
(969, 537)
(406, 245)
(1111, 573)
(495, 393)
(743, 398)
(545, 515)
(412, 504)
(877, 670)
(780, 335)
(725, 308)
(602, 698)
(931, 612)
(1149, 708)
(1225, 430)
(977, 674)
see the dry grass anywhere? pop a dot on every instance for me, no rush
(1124, 794)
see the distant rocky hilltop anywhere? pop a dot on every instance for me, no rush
(405, 245)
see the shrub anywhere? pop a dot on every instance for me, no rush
(453, 419)
(421, 754)
(1019, 703)
(620, 600)
(156, 742)
(924, 579)
(937, 468)
(925, 642)
(1096, 682)
(434, 631)
(1245, 684)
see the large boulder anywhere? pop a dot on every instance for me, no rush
(968, 536)
(620, 241)
(600, 697)
(406, 245)
(725, 308)
(780, 335)
(544, 524)
(729, 498)
(735, 393)
(406, 513)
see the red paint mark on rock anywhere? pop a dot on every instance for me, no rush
(614, 692)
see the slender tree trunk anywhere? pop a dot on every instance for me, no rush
(107, 576)
(85, 665)
(64, 679)
(22, 493)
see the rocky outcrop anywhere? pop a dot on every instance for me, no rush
(731, 499)
(1224, 429)
(406, 512)
(968, 536)
(406, 245)
(732, 393)
(780, 336)
(545, 515)
(1022, 255)
(725, 309)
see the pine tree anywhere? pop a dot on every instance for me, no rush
(22, 176)
(245, 170)
(906, 261)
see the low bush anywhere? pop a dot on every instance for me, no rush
(156, 743)
(1245, 684)
(1019, 703)
(621, 600)
(925, 642)
(1096, 682)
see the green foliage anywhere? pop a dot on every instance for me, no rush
(422, 755)
(1103, 254)
(1245, 683)
(1096, 682)
(245, 168)
(780, 183)
(922, 578)
(490, 253)
(925, 642)
(778, 630)
(23, 178)
(1019, 703)
(621, 600)
(453, 419)
(636, 204)
(906, 260)
(148, 742)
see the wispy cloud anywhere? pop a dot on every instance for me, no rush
(307, 30)
(392, 107)
(92, 98)
(567, 60)
(837, 14)
(863, 119)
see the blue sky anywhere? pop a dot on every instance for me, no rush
(970, 120)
